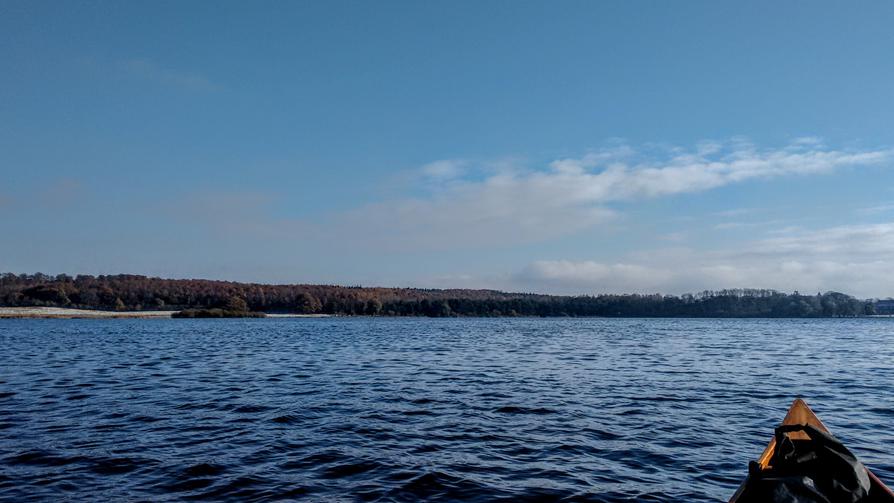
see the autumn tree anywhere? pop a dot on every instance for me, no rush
(374, 307)
(307, 304)
(236, 304)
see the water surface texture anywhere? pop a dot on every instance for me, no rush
(435, 409)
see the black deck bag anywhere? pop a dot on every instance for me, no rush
(820, 469)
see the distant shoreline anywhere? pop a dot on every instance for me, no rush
(66, 313)
(135, 296)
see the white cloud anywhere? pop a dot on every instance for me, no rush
(736, 212)
(443, 170)
(512, 206)
(461, 205)
(876, 209)
(498, 212)
(854, 259)
(854, 242)
(587, 275)
(732, 225)
(676, 237)
(722, 226)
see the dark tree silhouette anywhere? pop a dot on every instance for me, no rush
(235, 303)
(133, 292)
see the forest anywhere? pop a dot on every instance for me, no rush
(135, 293)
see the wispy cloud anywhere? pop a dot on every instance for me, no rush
(467, 205)
(852, 241)
(876, 209)
(149, 70)
(573, 194)
(736, 212)
(674, 237)
(855, 259)
(460, 204)
(444, 170)
(700, 170)
(732, 225)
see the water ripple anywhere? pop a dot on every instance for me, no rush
(406, 410)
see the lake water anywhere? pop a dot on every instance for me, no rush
(438, 409)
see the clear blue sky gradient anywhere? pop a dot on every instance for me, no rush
(230, 139)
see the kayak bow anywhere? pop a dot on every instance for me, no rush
(800, 413)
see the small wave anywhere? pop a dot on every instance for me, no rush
(196, 406)
(287, 419)
(240, 488)
(145, 419)
(659, 398)
(350, 469)
(194, 477)
(578, 450)
(115, 466)
(381, 410)
(315, 460)
(512, 409)
(440, 485)
(424, 448)
(601, 434)
(43, 458)
(109, 426)
(250, 409)
(417, 412)
(189, 485)
(202, 470)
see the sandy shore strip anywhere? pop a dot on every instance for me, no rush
(60, 312)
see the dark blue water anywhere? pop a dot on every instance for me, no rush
(411, 409)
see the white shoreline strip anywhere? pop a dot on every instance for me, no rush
(60, 312)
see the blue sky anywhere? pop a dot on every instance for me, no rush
(568, 147)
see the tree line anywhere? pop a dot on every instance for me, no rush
(135, 292)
